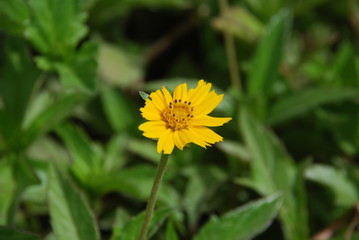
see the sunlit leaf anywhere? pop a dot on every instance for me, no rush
(239, 22)
(265, 62)
(302, 102)
(119, 67)
(15, 176)
(345, 193)
(79, 71)
(131, 230)
(54, 112)
(242, 223)
(71, 218)
(273, 170)
(55, 26)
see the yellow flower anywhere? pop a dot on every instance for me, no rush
(182, 119)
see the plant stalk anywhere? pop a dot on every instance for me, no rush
(231, 52)
(153, 197)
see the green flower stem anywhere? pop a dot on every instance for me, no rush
(153, 197)
(231, 51)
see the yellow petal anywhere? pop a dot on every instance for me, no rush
(150, 115)
(167, 95)
(194, 138)
(158, 100)
(205, 134)
(209, 121)
(197, 95)
(180, 92)
(149, 106)
(165, 142)
(180, 139)
(147, 126)
(155, 131)
(210, 102)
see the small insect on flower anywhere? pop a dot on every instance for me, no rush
(182, 118)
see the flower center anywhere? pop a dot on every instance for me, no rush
(178, 114)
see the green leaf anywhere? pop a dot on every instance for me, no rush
(118, 109)
(85, 159)
(171, 231)
(120, 67)
(266, 9)
(345, 192)
(239, 22)
(203, 182)
(18, 79)
(273, 170)
(144, 148)
(79, 71)
(56, 26)
(116, 156)
(234, 149)
(242, 223)
(71, 218)
(49, 116)
(144, 95)
(108, 10)
(346, 129)
(8, 189)
(15, 176)
(13, 16)
(7, 233)
(131, 230)
(344, 71)
(265, 63)
(301, 102)
(135, 181)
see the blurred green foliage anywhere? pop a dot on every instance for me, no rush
(73, 164)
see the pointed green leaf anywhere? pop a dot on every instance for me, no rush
(13, 16)
(265, 63)
(242, 223)
(144, 95)
(273, 170)
(135, 181)
(131, 230)
(239, 22)
(171, 231)
(8, 189)
(203, 182)
(118, 109)
(71, 218)
(345, 192)
(85, 158)
(15, 177)
(40, 121)
(18, 79)
(301, 102)
(79, 71)
(120, 67)
(7, 233)
(56, 26)
(344, 71)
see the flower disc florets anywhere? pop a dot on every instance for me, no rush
(178, 114)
